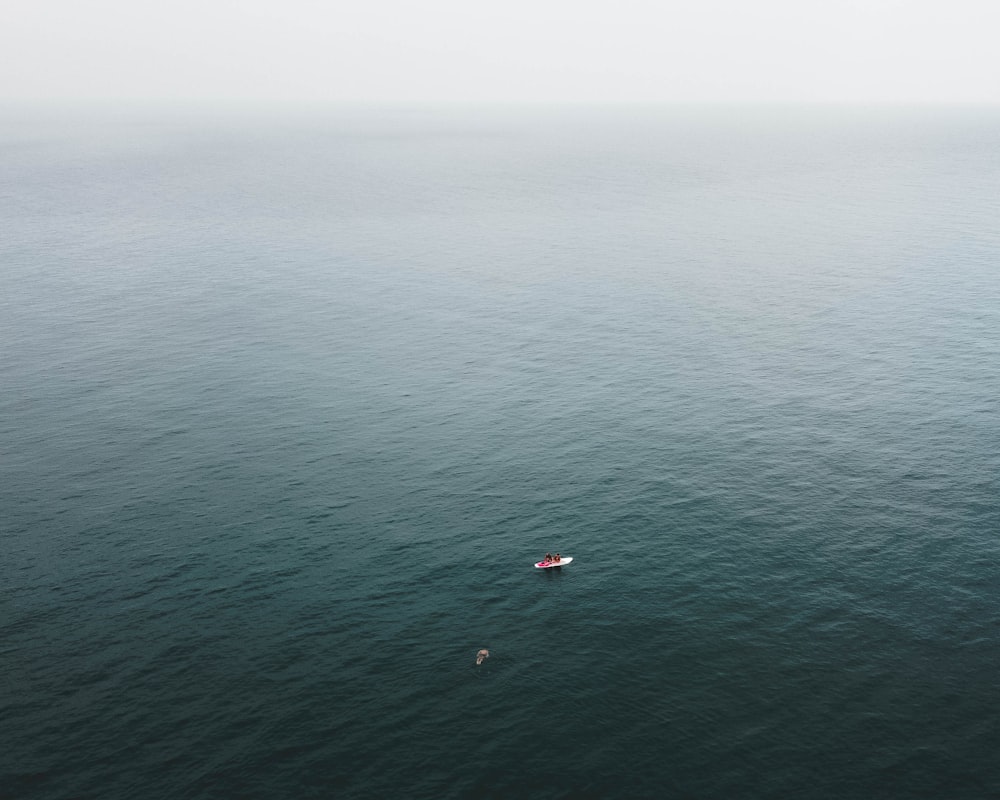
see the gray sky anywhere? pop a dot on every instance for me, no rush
(518, 50)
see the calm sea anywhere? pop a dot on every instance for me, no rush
(290, 404)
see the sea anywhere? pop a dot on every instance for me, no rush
(292, 400)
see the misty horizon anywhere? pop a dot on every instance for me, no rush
(392, 53)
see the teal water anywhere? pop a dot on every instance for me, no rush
(290, 406)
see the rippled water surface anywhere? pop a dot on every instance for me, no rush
(291, 405)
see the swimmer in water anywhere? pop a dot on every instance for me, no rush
(482, 655)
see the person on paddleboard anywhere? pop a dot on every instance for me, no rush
(548, 558)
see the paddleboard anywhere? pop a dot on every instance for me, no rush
(562, 562)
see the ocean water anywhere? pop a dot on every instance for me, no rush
(290, 404)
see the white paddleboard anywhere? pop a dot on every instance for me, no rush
(562, 562)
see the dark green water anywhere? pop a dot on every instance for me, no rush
(290, 407)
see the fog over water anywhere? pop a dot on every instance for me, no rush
(219, 52)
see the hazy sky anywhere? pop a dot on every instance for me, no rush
(517, 50)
